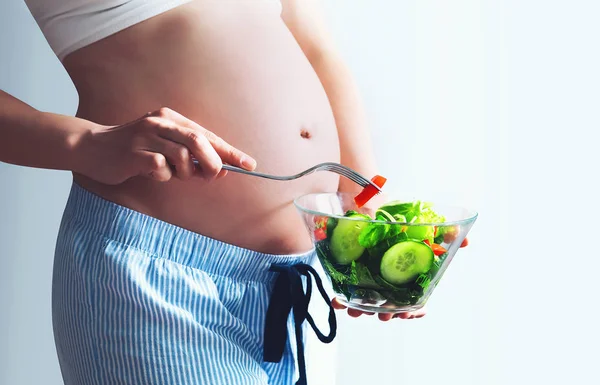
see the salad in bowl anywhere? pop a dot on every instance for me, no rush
(386, 258)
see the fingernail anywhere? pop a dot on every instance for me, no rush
(248, 162)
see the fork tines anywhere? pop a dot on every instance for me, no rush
(351, 174)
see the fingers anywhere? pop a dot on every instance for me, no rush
(209, 161)
(354, 313)
(337, 304)
(181, 143)
(230, 154)
(196, 134)
(155, 166)
(411, 315)
(177, 155)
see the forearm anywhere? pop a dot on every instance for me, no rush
(32, 138)
(355, 141)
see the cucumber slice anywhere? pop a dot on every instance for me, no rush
(404, 261)
(344, 244)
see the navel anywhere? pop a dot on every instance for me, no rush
(305, 134)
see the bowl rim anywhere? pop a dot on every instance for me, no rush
(473, 215)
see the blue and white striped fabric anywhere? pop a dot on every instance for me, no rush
(140, 301)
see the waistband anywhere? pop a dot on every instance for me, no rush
(164, 240)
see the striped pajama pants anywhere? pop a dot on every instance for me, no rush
(137, 301)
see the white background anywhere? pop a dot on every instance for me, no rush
(489, 104)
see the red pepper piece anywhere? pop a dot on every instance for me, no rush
(369, 192)
(437, 249)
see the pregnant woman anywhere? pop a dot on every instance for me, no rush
(162, 268)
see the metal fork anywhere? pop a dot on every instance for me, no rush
(328, 166)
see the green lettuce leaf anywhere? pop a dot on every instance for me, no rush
(423, 280)
(364, 278)
(353, 279)
(379, 249)
(376, 233)
(335, 275)
(373, 234)
(427, 215)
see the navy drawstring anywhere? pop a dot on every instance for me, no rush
(289, 294)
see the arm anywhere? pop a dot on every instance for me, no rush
(304, 19)
(150, 146)
(32, 138)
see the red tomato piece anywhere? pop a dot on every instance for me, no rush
(320, 234)
(451, 234)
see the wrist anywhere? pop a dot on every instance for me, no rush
(83, 145)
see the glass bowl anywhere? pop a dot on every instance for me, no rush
(378, 265)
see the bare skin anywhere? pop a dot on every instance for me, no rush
(242, 84)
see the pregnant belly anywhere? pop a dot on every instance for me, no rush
(239, 73)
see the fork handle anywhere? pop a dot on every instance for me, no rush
(284, 178)
(253, 173)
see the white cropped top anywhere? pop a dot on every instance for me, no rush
(72, 24)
